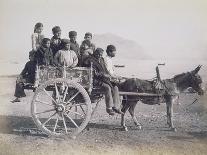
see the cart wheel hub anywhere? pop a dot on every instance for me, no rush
(60, 108)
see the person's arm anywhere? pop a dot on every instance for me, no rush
(56, 58)
(51, 58)
(34, 42)
(24, 71)
(75, 59)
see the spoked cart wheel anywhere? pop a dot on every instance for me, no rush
(61, 107)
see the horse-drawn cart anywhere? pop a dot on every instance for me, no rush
(61, 105)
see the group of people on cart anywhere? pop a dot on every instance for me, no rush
(67, 52)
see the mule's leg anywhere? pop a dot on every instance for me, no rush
(125, 107)
(170, 113)
(131, 111)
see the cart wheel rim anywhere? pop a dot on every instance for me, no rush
(60, 109)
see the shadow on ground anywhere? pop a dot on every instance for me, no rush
(22, 125)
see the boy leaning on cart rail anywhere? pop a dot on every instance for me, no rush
(65, 56)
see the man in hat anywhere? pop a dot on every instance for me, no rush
(73, 43)
(27, 76)
(102, 79)
(65, 56)
(114, 79)
(88, 36)
(56, 40)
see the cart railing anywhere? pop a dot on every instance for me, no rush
(81, 75)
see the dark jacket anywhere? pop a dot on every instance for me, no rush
(55, 45)
(75, 47)
(44, 56)
(99, 70)
(92, 46)
(28, 73)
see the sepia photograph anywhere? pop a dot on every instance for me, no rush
(107, 77)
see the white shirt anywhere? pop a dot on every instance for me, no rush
(109, 64)
(66, 57)
(36, 40)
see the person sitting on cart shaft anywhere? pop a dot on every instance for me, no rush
(111, 52)
(74, 46)
(65, 56)
(56, 40)
(101, 79)
(26, 76)
(44, 55)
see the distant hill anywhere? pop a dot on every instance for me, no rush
(125, 48)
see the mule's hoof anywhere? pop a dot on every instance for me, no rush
(174, 129)
(124, 129)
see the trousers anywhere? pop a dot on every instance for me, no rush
(111, 96)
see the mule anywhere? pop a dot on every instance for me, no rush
(167, 91)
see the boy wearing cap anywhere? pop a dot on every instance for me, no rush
(85, 51)
(65, 56)
(88, 36)
(44, 55)
(74, 46)
(26, 76)
(102, 79)
(56, 40)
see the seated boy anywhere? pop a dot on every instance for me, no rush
(85, 51)
(88, 36)
(44, 55)
(65, 56)
(74, 46)
(27, 76)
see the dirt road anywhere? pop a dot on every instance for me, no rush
(19, 135)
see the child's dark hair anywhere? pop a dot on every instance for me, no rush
(86, 42)
(38, 25)
(56, 29)
(88, 34)
(110, 48)
(45, 40)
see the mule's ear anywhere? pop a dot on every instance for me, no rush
(195, 71)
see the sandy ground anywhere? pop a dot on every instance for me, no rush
(19, 135)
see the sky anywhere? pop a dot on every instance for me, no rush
(174, 29)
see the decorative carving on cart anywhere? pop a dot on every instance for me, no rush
(80, 75)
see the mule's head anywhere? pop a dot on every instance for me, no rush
(195, 80)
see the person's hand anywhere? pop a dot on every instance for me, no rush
(107, 76)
